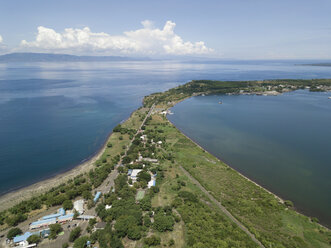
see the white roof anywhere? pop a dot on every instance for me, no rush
(151, 183)
(135, 172)
(79, 206)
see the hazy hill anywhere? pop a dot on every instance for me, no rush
(49, 57)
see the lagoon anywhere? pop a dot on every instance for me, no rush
(281, 142)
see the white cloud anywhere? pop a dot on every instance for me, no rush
(145, 41)
(1, 39)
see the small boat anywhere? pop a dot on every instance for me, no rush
(220, 102)
(329, 97)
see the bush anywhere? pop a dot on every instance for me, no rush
(289, 204)
(67, 204)
(34, 239)
(65, 245)
(55, 230)
(14, 232)
(134, 233)
(163, 223)
(81, 242)
(74, 234)
(152, 240)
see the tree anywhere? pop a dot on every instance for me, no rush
(134, 233)
(74, 234)
(147, 221)
(65, 245)
(144, 176)
(152, 240)
(55, 230)
(14, 232)
(87, 195)
(81, 242)
(67, 204)
(34, 239)
(163, 223)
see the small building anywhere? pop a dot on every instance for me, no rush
(108, 207)
(42, 223)
(100, 226)
(59, 213)
(134, 174)
(85, 217)
(151, 183)
(97, 196)
(79, 206)
(22, 238)
(65, 218)
(129, 172)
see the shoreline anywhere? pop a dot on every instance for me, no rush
(11, 198)
(15, 196)
(279, 199)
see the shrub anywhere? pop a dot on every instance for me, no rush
(74, 234)
(34, 239)
(14, 232)
(67, 204)
(152, 240)
(163, 223)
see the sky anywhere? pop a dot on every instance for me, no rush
(232, 29)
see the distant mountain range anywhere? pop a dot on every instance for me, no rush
(50, 57)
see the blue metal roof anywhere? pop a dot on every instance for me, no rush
(66, 216)
(96, 197)
(62, 211)
(43, 221)
(23, 237)
(51, 216)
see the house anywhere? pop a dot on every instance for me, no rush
(65, 218)
(96, 197)
(79, 206)
(108, 207)
(42, 223)
(151, 183)
(100, 226)
(22, 238)
(85, 217)
(59, 213)
(134, 174)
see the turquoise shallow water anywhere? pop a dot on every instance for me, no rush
(282, 142)
(53, 116)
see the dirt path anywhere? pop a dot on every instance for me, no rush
(224, 210)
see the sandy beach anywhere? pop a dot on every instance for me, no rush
(10, 199)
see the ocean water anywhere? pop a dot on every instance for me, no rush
(281, 142)
(53, 116)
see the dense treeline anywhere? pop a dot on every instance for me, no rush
(221, 87)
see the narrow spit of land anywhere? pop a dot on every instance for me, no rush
(188, 186)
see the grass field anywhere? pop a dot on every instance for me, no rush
(140, 195)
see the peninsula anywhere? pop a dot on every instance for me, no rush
(151, 186)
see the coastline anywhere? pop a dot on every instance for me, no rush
(13, 197)
(219, 159)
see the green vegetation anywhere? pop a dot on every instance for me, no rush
(33, 239)
(176, 212)
(14, 232)
(67, 204)
(74, 234)
(55, 230)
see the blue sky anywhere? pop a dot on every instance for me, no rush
(241, 29)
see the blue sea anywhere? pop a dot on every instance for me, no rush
(53, 115)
